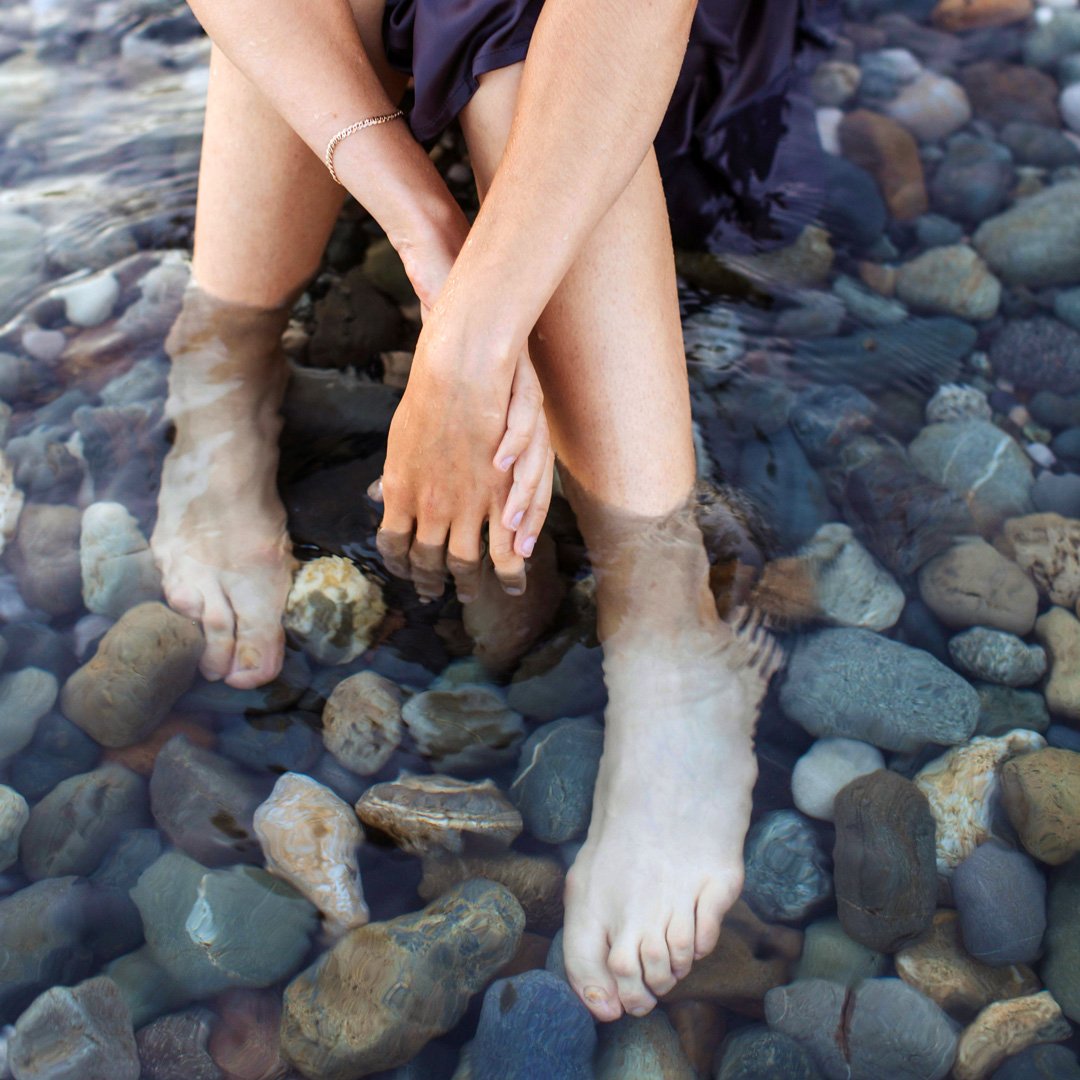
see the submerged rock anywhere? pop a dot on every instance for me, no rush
(997, 657)
(829, 953)
(1041, 792)
(246, 1041)
(310, 837)
(755, 1052)
(361, 722)
(45, 558)
(1047, 546)
(645, 1047)
(468, 728)
(787, 872)
(1059, 632)
(828, 766)
(25, 697)
(14, 814)
(118, 569)
(174, 1048)
(1005, 1028)
(1060, 968)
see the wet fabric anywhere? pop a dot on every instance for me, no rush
(738, 148)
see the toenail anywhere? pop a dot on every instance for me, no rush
(595, 996)
(640, 1010)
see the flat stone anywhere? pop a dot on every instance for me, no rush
(464, 729)
(25, 697)
(828, 766)
(995, 656)
(1005, 1028)
(954, 15)
(361, 722)
(174, 1048)
(884, 866)
(1060, 968)
(828, 953)
(118, 569)
(950, 280)
(755, 1052)
(787, 871)
(1041, 792)
(1059, 633)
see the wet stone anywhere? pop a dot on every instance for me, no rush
(1059, 632)
(700, 1026)
(1060, 968)
(1001, 897)
(83, 1033)
(204, 804)
(361, 722)
(246, 1040)
(1004, 708)
(957, 401)
(1041, 792)
(756, 1052)
(278, 743)
(45, 558)
(825, 768)
(553, 786)
(534, 1025)
(995, 656)
(142, 666)
(387, 988)
(1047, 1061)
(973, 179)
(884, 865)
(25, 697)
(142, 757)
(856, 684)
(174, 1048)
(1047, 546)
(118, 569)
(146, 985)
(574, 686)
(73, 827)
(1004, 1028)
(14, 814)
(212, 929)
(828, 953)
(133, 854)
(787, 872)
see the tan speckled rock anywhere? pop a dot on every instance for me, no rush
(310, 837)
(361, 722)
(1041, 792)
(1059, 632)
(938, 965)
(961, 786)
(890, 154)
(1005, 1028)
(44, 556)
(973, 584)
(1047, 546)
(142, 666)
(11, 501)
(431, 813)
(333, 609)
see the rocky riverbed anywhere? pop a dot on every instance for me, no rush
(358, 869)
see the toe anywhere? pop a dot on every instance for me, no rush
(584, 954)
(656, 962)
(260, 651)
(680, 941)
(713, 904)
(624, 963)
(219, 628)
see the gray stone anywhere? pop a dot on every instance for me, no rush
(146, 986)
(867, 307)
(1037, 144)
(787, 872)
(467, 729)
(174, 1048)
(1067, 306)
(860, 685)
(998, 657)
(1039, 353)
(22, 261)
(553, 786)
(281, 743)
(118, 569)
(212, 929)
(1060, 969)
(1045, 1062)
(646, 1048)
(973, 180)
(950, 280)
(1004, 708)
(58, 750)
(14, 814)
(1001, 897)
(829, 953)
(756, 1053)
(1057, 493)
(958, 401)
(124, 865)
(25, 697)
(73, 827)
(84, 1033)
(574, 686)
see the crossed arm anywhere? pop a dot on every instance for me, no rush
(599, 75)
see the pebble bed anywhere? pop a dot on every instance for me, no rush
(357, 870)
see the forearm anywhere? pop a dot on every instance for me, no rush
(309, 62)
(596, 84)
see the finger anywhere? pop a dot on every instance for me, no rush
(529, 531)
(528, 472)
(463, 559)
(526, 403)
(393, 545)
(427, 560)
(509, 566)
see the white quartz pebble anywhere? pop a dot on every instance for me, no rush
(829, 765)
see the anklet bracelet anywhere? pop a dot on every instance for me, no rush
(344, 133)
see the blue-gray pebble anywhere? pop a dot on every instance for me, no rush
(1046, 1062)
(756, 1053)
(787, 873)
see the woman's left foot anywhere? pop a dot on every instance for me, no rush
(662, 863)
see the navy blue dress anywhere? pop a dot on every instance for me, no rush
(738, 149)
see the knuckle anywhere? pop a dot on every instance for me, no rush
(623, 965)
(654, 955)
(681, 944)
(216, 622)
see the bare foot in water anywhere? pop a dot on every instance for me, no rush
(662, 863)
(221, 540)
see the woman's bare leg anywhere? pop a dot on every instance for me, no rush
(265, 209)
(663, 859)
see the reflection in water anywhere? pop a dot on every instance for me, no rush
(888, 440)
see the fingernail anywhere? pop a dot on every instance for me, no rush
(594, 995)
(515, 521)
(527, 547)
(507, 462)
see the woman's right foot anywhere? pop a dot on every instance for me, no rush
(221, 540)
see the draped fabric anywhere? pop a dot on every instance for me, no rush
(738, 148)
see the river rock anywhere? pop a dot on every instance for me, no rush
(825, 768)
(750, 958)
(25, 697)
(212, 929)
(828, 953)
(700, 1027)
(73, 827)
(949, 280)
(82, 1033)
(787, 872)
(11, 497)
(1059, 632)
(973, 180)
(644, 1047)
(1041, 792)
(1005, 1028)
(535, 880)
(1046, 1061)
(931, 107)
(309, 837)
(1061, 967)
(45, 558)
(978, 461)
(146, 985)
(962, 787)
(881, 1028)
(90, 300)
(333, 610)
(118, 569)
(464, 729)
(957, 401)
(754, 1052)
(142, 756)
(1039, 353)
(572, 686)
(278, 743)
(14, 814)
(973, 584)
(884, 867)
(954, 15)
(1037, 241)
(1004, 709)
(142, 666)
(387, 988)
(431, 813)
(997, 657)
(1001, 897)
(132, 854)
(889, 153)
(938, 966)
(245, 1043)
(534, 1025)
(205, 805)
(361, 722)
(553, 786)
(174, 1048)
(1047, 546)
(859, 685)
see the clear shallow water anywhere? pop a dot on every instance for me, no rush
(947, 256)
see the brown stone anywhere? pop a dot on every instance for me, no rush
(141, 756)
(953, 15)
(877, 276)
(1001, 92)
(362, 722)
(536, 881)
(1047, 546)
(1004, 1029)
(1041, 792)
(701, 1027)
(938, 965)
(1058, 632)
(885, 871)
(750, 958)
(531, 955)
(45, 558)
(245, 1042)
(890, 154)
